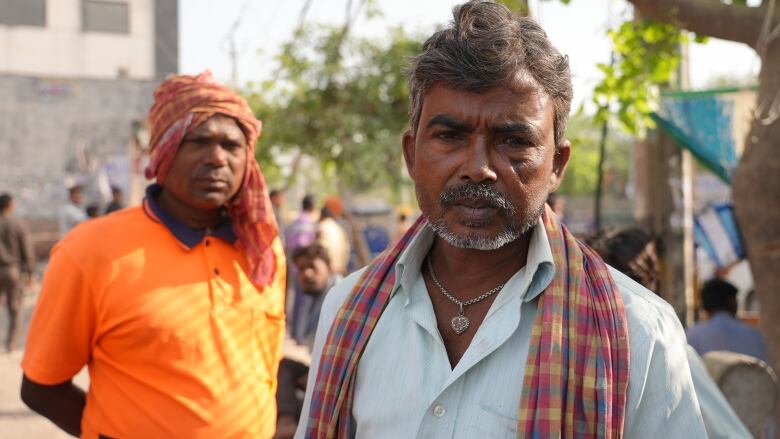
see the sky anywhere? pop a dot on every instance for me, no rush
(578, 30)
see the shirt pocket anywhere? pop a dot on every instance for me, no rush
(267, 330)
(490, 424)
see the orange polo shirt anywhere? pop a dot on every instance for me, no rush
(178, 341)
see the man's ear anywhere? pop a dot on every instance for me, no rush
(560, 161)
(408, 144)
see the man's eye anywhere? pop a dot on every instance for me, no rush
(448, 135)
(516, 142)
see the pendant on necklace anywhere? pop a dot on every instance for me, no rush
(460, 322)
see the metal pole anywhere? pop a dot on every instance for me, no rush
(600, 175)
(687, 168)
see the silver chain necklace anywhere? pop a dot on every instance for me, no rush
(460, 322)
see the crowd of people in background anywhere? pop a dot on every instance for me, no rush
(76, 211)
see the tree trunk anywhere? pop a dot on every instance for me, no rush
(757, 200)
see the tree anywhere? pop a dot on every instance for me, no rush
(584, 133)
(341, 100)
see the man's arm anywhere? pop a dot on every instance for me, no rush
(62, 404)
(59, 341)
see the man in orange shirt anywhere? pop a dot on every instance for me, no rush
(176, 306)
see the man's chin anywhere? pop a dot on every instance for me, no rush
(473, 235)
(211, 200)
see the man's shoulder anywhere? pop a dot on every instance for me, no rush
(339, 293)
(107, 231)
(647, 313)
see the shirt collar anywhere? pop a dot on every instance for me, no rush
(186, 235)
(539, 262)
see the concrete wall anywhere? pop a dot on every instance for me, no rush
(166, 28)
(63, 49)
(57, 132)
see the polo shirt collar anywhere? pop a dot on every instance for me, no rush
(539, 262)
(186, 235)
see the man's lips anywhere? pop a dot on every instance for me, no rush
(475, 211)
(211, 182)
(475, 204)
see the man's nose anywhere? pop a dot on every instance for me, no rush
(476, 166)
(216, 154)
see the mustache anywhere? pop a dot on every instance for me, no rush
(476, 191)
(211, 175)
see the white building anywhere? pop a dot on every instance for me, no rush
(104, 39)
(76, 83)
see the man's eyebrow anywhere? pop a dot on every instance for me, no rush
(517, 127)
(449, 121)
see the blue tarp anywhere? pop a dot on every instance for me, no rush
(704, 123)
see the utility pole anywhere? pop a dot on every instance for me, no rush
(233, 50)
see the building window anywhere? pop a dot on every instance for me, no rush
(23, 12)
(105, 16)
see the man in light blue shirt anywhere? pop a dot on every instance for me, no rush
(722, 331)
(447, 357)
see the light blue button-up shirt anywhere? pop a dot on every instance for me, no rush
(406, 387)
(723, 332)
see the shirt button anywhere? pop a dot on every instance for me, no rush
(207, 243)
(439, 411)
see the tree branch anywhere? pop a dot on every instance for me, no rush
(706, 17)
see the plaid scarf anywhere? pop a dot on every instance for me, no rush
(576, 374)
(181, 104)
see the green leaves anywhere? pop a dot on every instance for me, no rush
(585, 134)
(520, 6)
(341, 101)
(646, 57)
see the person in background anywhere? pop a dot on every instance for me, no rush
(17, 266)
(402, 224)
(277, 201)
(632, 251)
(116, 202)
(301, 232)
(722, 331)
(316, 278)
(178, 310)
(92, 211)
(72, 212)
(332, 236)
(359, 254)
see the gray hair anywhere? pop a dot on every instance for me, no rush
(485, 46)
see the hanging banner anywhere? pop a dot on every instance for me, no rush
(712, 124)
(715, 230)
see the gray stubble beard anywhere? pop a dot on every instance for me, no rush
(516, 227)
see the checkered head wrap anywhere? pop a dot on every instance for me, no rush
(181, 104)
